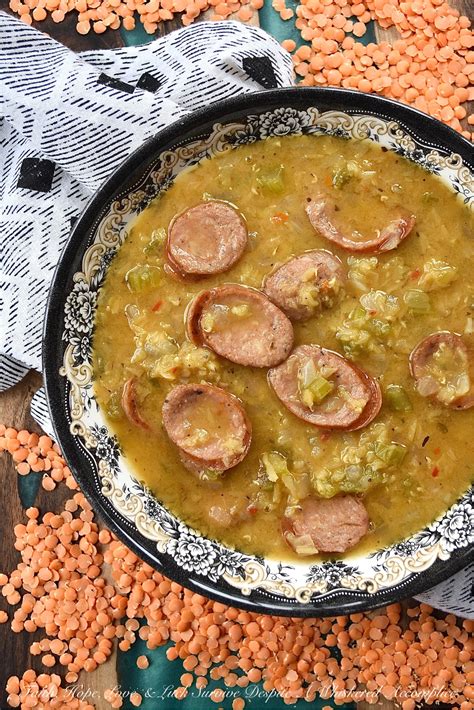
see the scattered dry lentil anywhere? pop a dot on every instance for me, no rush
(136, 699)
(142, 662)
(61, 587)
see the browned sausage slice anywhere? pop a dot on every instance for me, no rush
(326, 525)
(374, 404)
(208, 425)
(305, 284)
(440, 366)
(206, 239)
(353, 401)
(240, 324)
(130, 404)
(389, 238)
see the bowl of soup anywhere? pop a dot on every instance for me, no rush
(258, 351)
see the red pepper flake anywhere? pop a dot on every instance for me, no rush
(372, 312)
(435, 472)
(252, 509)
(280, 217)
(325, 435)
(157, 306)
(415, 274)
(437, 451)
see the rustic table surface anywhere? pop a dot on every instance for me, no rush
(15, 411)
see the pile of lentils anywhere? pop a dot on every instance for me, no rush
(88, 592)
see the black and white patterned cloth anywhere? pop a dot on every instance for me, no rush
(67, 120)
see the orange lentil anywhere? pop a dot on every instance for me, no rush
(289, 45)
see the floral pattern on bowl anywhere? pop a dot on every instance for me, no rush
(95, 454)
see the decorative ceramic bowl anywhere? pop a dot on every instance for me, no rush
(93, 452)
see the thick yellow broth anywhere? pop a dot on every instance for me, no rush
(438, 465)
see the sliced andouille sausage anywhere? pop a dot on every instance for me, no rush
(130, 404)
(206, 239)
(240, 324)
(326, 525)
(323, 388)
(440, 366)
(305, 284)
(208, 425)
(319, 213)
(374, 404)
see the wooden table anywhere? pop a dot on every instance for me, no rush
(14, 411)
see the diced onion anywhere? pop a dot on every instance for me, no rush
(302, 544)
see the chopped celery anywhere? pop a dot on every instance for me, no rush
(342, 175)
(358, 316)
(362, 272)
(312, 385)
(437, 274)
(369, 324)
(158, 238)
(275, 465)
(417, 301)
(361, 465)
(397, 398)
(142, 277)
(318, 390)
(354, 478)
(276, 469)
(392, 454)
(272, 180)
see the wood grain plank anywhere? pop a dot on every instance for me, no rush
(14, 411)
(92, 686)
(65, 32)
(15, 655)
(206, 16)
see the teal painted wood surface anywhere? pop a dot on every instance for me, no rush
(269, 20)
(157, 683)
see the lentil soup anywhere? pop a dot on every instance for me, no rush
(320, 401)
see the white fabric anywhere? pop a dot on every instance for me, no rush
(54, 106)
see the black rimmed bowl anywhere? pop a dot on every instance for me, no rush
(93, 452)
